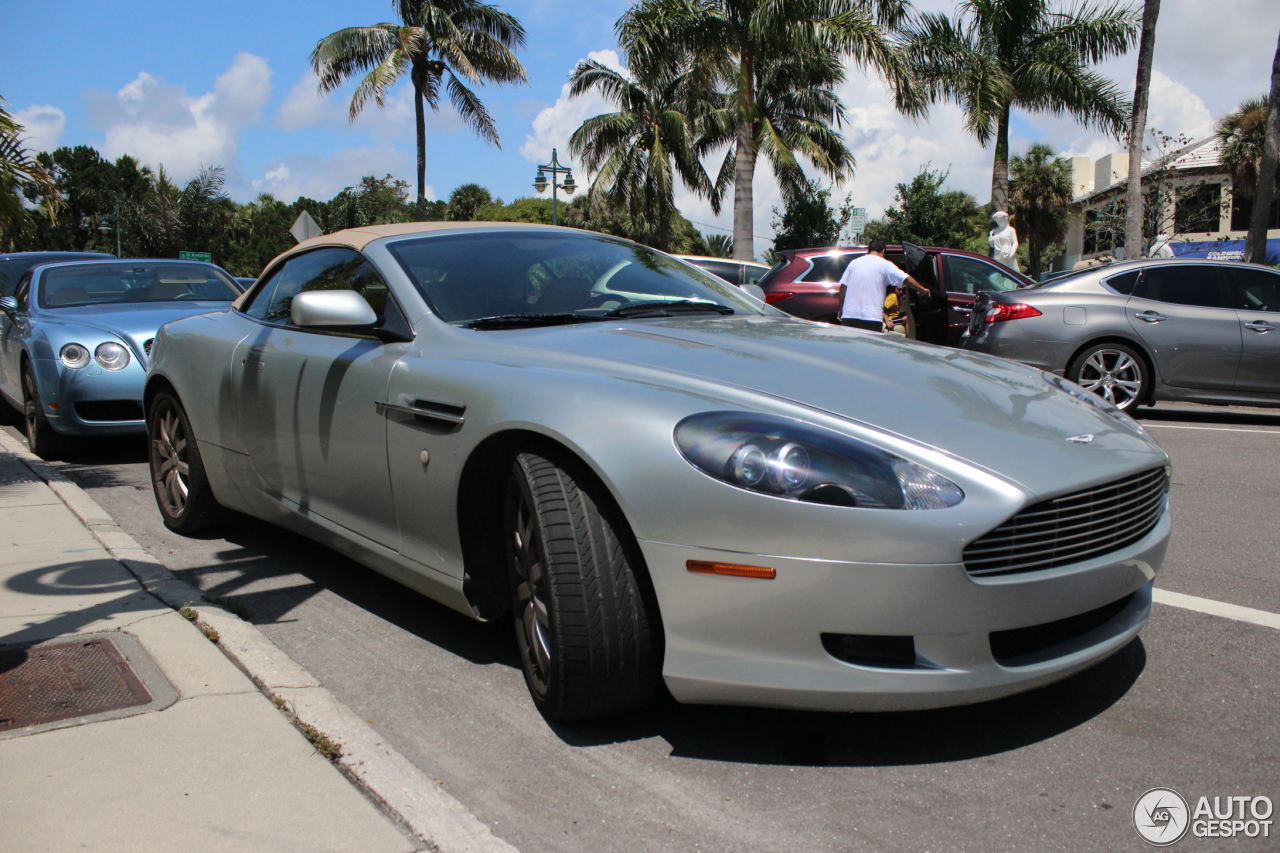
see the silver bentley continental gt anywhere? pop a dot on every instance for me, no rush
(656, 476)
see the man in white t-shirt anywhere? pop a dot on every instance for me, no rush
(864, 286)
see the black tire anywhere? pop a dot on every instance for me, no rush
(587, 630)
(42, 439)
(1115, 372)
(178, 479)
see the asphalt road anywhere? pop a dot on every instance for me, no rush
(1193, 704)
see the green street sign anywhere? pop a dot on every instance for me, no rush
(196, 256)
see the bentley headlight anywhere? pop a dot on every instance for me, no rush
(789, 459)
(1093, 400)
(74, 356)
(112, 356)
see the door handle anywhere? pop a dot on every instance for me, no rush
(1150, 316)
(252, 362)
(1259, 326)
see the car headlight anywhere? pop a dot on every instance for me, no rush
(1093, 400)
(112, 356)
(74, 356)
(789, 459)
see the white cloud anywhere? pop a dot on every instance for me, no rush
(553, 126)
(160, 124)
(305, 108)
(42, 126)
(1174, 109)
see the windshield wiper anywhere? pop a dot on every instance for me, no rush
(512, 321)
(659, 308)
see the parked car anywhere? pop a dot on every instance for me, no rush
(806, 283)
(653, 475)
(1140, 331)
(15, 264)
(75, 340)
(735, 272)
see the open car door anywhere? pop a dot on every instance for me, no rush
(930, 311)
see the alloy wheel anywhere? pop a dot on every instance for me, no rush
(528, 560)
(170, 471)
(1114, 375)
(30, 405)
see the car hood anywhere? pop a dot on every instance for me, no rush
(136, 324)
(998, 415)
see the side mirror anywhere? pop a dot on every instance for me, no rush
(754, 290)
(331, 309)
(8, 304)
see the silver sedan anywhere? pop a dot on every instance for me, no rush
(658, 478)
(1143, 331)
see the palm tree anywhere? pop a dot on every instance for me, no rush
(17, 166)
(719, 245)
(441, 44)
(636, 153)
(1243, 133)
(1138, 129)
(1040, 188)
(465, 200)
(774, 66)
(1001, 54)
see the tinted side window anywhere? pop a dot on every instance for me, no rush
(22, 291)
(1124, 282)
(1254, 290)
(323, 269)
(752, 274)
(827, 267)
(721, 269)
(1182, 285)
(970, 275)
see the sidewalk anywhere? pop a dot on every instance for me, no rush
(200, 760)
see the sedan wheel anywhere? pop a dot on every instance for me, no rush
(584, 625)
(182, 491)
(1114, 372)
(43, 440)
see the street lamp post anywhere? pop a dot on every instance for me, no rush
(540, 183)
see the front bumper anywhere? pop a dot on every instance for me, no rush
(747, 641)
(91, 401)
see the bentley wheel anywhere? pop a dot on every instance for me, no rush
(1115, 372)
(585, 628)
(43, 440)
(178, 479)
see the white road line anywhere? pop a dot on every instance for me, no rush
(1149, 425)
(1217, 608)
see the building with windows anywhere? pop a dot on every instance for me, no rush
(1189, 197)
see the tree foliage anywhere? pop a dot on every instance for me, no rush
(1243, 133)
(1040, 188)
(809, 220)
(19, 166)
(925, 214)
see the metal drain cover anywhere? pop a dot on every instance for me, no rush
(86, 677)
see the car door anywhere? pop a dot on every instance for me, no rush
(13, 332)
(1255, 295)
(1180, 312)
(306, 397)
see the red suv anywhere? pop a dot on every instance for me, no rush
(806, 283)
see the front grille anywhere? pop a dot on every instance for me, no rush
(1072, 528)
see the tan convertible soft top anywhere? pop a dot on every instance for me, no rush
(358, 238)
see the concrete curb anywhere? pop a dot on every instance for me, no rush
(402, 791)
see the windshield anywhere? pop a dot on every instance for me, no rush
(573, 276)
(134, 281)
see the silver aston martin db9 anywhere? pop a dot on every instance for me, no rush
(656, 476)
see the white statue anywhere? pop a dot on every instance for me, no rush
(1004, 240)
(1161, 248)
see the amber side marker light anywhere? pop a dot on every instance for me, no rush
(706, 568)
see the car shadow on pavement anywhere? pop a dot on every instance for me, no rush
(819, 739)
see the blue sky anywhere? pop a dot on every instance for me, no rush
(184, 83)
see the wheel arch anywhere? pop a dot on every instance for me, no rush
(1138, 346)
(479, 511)
(155, 385)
